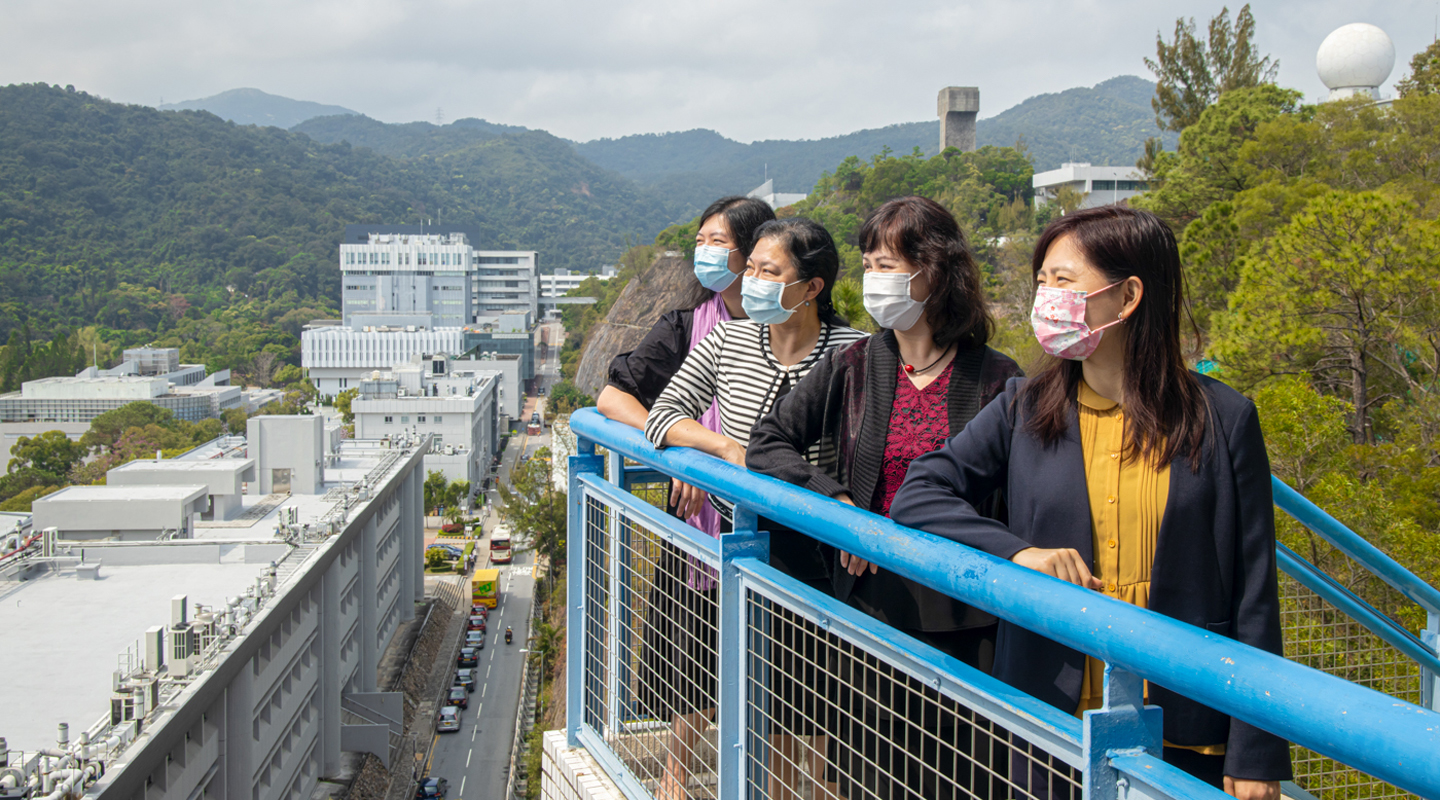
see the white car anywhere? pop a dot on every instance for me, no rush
(449, 721)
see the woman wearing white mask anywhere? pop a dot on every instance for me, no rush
(884, 400)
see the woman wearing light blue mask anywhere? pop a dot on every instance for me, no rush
(745, 367)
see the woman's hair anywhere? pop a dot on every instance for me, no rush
(1165, 405)
(743, 217)
(813, 252)
(923, 233)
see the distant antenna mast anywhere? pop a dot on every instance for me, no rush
(439, 116)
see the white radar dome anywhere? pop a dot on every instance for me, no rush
(1355, 59)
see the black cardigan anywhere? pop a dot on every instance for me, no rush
(1214, 560)
(645, 371)
(846, 402)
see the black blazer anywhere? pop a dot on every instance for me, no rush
(1214, 561)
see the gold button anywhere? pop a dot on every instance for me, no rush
(1110, 499)
(1111, 587)
(1114, 455)
(1113, 542)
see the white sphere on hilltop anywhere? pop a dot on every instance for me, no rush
(1358, 56)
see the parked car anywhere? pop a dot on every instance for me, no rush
(465, 678)
(475, 639)
(432, 789)
(479, 610)
(477, 622)
(469, 657)
(458, 697)
(449, 721)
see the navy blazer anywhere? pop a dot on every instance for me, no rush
(1214, 559)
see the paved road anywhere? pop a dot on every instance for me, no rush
(474, 759)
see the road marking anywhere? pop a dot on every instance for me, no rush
(487, 672)
(467, 765)
(462, 780)
(474, 730)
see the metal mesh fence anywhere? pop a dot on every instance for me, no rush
(652, 664)
(1321, 637)
(826, 719)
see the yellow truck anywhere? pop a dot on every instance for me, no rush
(485, 588)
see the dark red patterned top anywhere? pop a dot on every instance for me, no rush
(919, 423)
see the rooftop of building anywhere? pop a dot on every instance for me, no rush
(139, 494)
(64, 636)
(198, 466)
(1081, 170)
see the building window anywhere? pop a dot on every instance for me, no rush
(389, 420)
(498, 260)
(438, 419)
(420, 419)
(344, 382)
(439, 440)
(404, 420)
(1102, 186)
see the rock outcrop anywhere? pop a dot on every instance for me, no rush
(668, 283)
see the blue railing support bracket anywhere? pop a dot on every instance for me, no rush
(1123, 724)
(745, 542)
(589, 464)
(1430, 677)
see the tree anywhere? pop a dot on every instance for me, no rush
(21, 502)
(1191, 74)
(434, 489)
(1209, 166)
(849, 299)
(236, 420)
(342, 405)
(1338, 293)
(262, 369)
(51, 452)
(534, 509)
(107, 428)
(566, 397)
(1424, 77)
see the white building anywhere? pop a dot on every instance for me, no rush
(238, 647)
(766, 192)
(457, 407)
(1100, 186)
(432, 280)
(338, 358)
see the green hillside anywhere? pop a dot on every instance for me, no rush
(254, 107)
(97, 198)
(406, 139)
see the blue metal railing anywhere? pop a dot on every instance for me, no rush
(1387, 738)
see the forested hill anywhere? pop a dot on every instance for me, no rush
(254, 107)
(97, 198)
(1104, 124)
(405, 139)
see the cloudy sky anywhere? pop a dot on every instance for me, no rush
(750, 69)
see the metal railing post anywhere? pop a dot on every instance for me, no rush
(615, 462)
(585, 461)
(613, 614)
(1429, 679)
(1123, 726)
(745, 542)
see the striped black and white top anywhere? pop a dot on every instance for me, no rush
(735, 368)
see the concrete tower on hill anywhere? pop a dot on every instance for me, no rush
(958, 106)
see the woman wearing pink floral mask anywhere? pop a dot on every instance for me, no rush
(1125, 473)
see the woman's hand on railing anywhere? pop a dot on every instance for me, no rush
(1064, 563)
(854, 565)
(1242, 789)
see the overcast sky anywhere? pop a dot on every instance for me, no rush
(750, 69)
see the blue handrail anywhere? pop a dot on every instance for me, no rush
(1352, 544)
(1388, 738)
(1355, 607)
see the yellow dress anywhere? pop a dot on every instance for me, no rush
(1127, 504)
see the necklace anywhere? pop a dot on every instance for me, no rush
(910, 368)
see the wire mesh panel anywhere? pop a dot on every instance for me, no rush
(656, 677)
(1321, 637)
(827, 719)
(597, 569)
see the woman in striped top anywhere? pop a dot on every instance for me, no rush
(744, 367)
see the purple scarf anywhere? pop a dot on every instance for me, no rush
(707, 316)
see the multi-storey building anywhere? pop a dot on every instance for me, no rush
(407, 276)
(249, 648)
